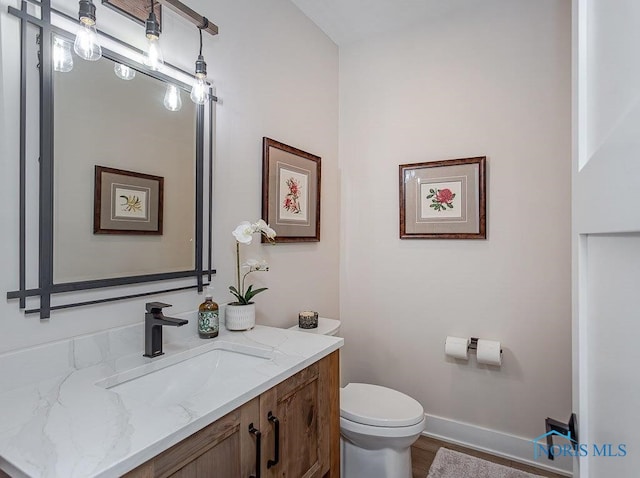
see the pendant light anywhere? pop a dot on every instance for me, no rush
(199, 88)
(153, 54)
(86, 44)
(172, 99)
(61, 55)
(124, 72)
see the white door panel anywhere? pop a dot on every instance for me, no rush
(606, 238)
(613, 355)
(607, 189)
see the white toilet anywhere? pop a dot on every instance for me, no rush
(378, 425)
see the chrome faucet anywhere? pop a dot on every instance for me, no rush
(154, 319)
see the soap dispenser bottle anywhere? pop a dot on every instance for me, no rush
(208, 320)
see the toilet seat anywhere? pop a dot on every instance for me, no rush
(347, 426)
(376, 406)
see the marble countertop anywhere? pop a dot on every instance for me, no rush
(59, 419)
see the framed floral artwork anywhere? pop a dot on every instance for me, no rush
(126, 202)
(290, 192)
(443, 199)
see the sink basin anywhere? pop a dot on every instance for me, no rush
(181, 382)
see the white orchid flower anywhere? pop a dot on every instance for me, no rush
(244, 235)
(255, 265)
(244, 232)
(262, 227)
(270, 233)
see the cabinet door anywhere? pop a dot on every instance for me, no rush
(224, 449)
(306, 407)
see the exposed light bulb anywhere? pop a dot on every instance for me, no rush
(86, 44)
(172, 99)
(61, 55)
(153, 55)
(124, 72)
(199, 90)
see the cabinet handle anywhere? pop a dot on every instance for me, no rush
(254, 431)
(273, 419)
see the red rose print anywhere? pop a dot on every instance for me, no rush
(441, 199)
(444, 195)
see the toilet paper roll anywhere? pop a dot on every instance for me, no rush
(457, 347)
(489, 352)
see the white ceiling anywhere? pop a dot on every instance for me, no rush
(348, 21)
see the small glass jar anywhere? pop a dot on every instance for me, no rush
(308, 319)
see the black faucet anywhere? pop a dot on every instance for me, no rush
(153, 322)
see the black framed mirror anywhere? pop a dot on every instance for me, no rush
(153, 196)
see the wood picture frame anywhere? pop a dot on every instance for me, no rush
(126, 202)
(443, 199)
(291, 192)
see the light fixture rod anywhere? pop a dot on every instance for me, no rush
(194, 17)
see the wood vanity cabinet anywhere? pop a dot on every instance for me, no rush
(224, 448)
(299, 419)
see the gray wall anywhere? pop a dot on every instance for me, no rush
(493, 79)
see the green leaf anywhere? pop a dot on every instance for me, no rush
(429, 196)
(250, 295)
(235, 292)
(450, 205)
(432, 191)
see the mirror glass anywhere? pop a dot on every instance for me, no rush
(101, 120)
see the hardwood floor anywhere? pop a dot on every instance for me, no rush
(424, 451)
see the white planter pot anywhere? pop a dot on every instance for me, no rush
(240, 317)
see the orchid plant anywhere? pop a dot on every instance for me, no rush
(244, 235)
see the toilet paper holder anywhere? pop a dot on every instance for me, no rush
(488, 352)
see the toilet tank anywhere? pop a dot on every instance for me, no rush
(325, 327)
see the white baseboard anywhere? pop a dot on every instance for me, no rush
(496, 443)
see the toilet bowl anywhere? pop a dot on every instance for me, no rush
(378, 425)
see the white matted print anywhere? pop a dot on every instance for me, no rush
(127, 202)
(440, 200)
(130, 203)
(290, 192)
(443, 199)
(293, 194)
